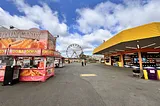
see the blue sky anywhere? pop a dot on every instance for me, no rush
(85, 22)
(65, 8)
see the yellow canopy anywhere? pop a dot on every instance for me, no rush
(137, 33)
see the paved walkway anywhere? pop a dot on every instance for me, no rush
(112, 86)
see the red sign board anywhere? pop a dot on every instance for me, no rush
(30, 52)
(3, 51)
(25, 52)
(48, 52)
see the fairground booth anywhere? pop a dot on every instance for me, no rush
(58, 60)
(33, 50)
(136, 47)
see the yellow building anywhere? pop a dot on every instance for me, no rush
(139, 46)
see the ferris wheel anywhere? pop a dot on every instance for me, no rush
(74, 51)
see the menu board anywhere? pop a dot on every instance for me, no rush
(15, 73)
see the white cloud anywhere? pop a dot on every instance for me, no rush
(89, 18)
(43, 16)
(18, 21)
(116, 17)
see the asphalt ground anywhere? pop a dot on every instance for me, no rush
(112, 86)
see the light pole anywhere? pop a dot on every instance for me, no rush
(56, 40)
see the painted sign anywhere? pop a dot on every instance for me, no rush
(3, 51)
(27, 34)
(47, 52)
(27, 39)
(32, 72)
(24, 52)
(35, 75)
(22, 43)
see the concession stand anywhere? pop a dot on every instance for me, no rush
(137, 48)
(58, 60)
(33, 50)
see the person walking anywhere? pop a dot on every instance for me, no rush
(82, 62)
(85, 62)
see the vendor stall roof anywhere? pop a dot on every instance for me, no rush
(143, 36)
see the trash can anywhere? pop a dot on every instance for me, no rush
(136, 71)
(12, 75)
(152, 73)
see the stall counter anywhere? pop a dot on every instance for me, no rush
(35, 74)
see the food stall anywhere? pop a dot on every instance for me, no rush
(58, 60)
(32, 49)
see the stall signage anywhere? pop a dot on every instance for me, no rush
(47, 52)
(2, 52)
(20, 34)
(24, 52)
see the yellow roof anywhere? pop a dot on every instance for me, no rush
(141, 32)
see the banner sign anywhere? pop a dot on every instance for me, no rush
(21, 34)
(47, 52)
(28, 39)
(33, 52)
(30, 52)
(3, 51)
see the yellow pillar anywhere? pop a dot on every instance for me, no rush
(121, 60)
(158, 73)
(140, 60)
(145, 74)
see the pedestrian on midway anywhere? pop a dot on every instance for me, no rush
(85, 62)
(82, 62)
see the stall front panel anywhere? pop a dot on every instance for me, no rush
(33, 75)
(35, 68)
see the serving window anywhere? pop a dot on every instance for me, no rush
(30, 62)
(49, 62)
(6, 61)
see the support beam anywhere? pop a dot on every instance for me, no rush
(140, 60)
(121, 60)
(110, 60)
